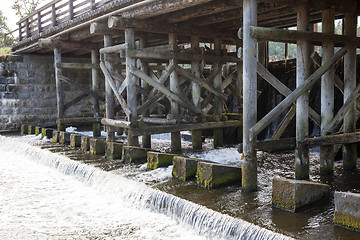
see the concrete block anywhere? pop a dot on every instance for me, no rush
(157, 159)
(24, 129)
(184, 168)
(55, 136)
(210, 175)
(85, 143)
(132, 154)
(46, 132)
(347, 210)
(64, 137)
(290, 195)
(97, 146)
(31, 129)
(113, 150)
(37, 131)
(75, 140)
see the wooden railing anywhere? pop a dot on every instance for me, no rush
(6, 38)
(54, 14)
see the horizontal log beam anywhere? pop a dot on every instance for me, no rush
(114, 49)
(116, 123)
(291, 98)
(149, 130)
(75, 100)
(50, 44)
(78, 120)
(77, 65)
(161, 121)
(343, 138)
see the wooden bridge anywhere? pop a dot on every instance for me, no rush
(171, 65)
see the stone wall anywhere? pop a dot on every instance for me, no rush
(28, 91)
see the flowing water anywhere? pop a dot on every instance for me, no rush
(46, 195)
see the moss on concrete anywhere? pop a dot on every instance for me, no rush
(85, 143)
(55, 136)
(64, 137)
(347, 220)
(24, 129)
(184, 168)
(97, 146)
(75, 140)
(113, 150)
(46, 132)
(37, 131)
(131, 154)
(31, 129)
(156, 159)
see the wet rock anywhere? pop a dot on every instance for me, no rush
(347, 210)
(290, 195)
(97, 146)
(64, 138)
(24, 129)
(55, 136)
(46, 132)
(156, 159)
(131, 154)
(113, 150)
(37, 131)
(31, 129)
(184, 168)
(75, 140)
(210, 175)
(85, 143)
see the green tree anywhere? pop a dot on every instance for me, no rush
(25, 7)
(3, 26)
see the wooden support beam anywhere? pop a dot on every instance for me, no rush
(183, 127)
(67, 121)
(77, 65)
(81, 87)
(249, 164)
(59, 88)
(284, 90)
(75, 100)
(160, 121)
(182, 101)
(331, 140)
(201, 83)
(95, 89)
(51, 43)
(291, 98)
(97, 28)
(284, 123)
(114, 49)
(150, 102)
(116, 123)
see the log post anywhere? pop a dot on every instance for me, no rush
(39, 22)
(249, 164)
(327, 93)
(146, 139)
(196, 91)
(303, 71)
(349, 150)
(53, 15)
(92, 4)
(239, 87)
(174, 87)
(71, 9)
(95, 89)
(218, 103)
(59, 89)
(131, 84)
(109, 95)
(27, 28)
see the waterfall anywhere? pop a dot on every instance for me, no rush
(137, 195)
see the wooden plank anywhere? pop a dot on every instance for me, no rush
(59, 88)
(291, 98)
(201, 83)
(116, 123)
(161, 121)
(114, 49)
(183, 102)
(277, 145)
(67, 121)
(75, 100)
(284, 123)
(77, 65)
(149, 130)
(344, 138)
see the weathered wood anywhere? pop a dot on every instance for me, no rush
(276, 145)
(71, 9)
(291, 36)
(109, 95)
(349, 150)
(50, 44)
(182, 101)
(284, 123)
(330, 140)
(284, 90)
(75, 100)
(59, 88)
(249, 164)
(116, 123)
(327, 93)
(183, 127)
(77, 65)
(114, 49)
(112, 85)
(67, 121)
(95, 89)
(291, 98)
(131, 83)
(101, 29)
(162, 121)
(81, 87)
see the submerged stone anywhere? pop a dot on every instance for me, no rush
(113, 150)
(46, 132)
(131, 154)
(290, 194)
(55, 136)
(157, 159)
(85, 143)
(37, 131)
(64, 137)
(347, 210)
(24, 129)
(75, 140)
(31, 129)
(184, 168)
(97, 146)
(210, 175)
